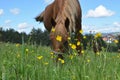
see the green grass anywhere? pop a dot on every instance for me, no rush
(21, 63)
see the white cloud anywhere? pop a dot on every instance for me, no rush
(117, 24)
(7, 21)
(103, 29)
(15, 11)
(100, 11)
(23, 25)
(1, 12)
(48, 1)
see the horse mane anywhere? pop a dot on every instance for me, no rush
(69, 10)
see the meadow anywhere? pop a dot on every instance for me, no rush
(31, 62)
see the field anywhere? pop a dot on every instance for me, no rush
(30, 62)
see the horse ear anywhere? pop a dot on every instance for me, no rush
(67, 22)
(53, 22)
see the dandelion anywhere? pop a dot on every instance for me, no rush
(116, 41)
(26, 50)
(46, 63)
(51, 53)
(70, 44)
(81, 31)
(73, 77)
(73, 46)
(82, 52)
(98, 35)
(52, 56)
(18, 55)
(69, 38)
(71, 56)
(84, 37)
(62, 61)
(88, 60)
(78, 43)
(59, 59)
(17, 45)
(75, 54)
(39, 57)
(59, 38)
(53, 29)
(98, 53)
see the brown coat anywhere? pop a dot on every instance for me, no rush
(65, 17)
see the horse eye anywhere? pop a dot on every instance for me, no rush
(53, 22)
(67, 22)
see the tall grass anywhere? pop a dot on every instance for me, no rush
(30, 62)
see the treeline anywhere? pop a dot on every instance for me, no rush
(36, 36)
(39, 37)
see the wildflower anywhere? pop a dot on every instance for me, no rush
(26, 50)
(73, 77)
(98, 53)
(98, 35)
(69, 38)
(75, 54)
(70, 44)
(62, 61)
(116, 41)
(17, 45)
(84, 37)
(39, 57)
(59, 59)
(78, 43)
(51, 53)
(88, 60)
(82, 52)
(53, 29)
(81, 31)
(73, 46)
(18, 55)
(46, 63)
(71, 56)
(52, 56)
(59, 38)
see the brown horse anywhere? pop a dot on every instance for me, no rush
(65, 17)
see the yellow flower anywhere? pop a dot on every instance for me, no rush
(71, 56)
(73, 46)
(84, 37)
(81, 31)
(98, 53)
(53, 29)
(75, 54)
(18, 55)
(62, 61)
(88, 60)
(17, 45)
(78, 43)
(26, 50)
(98, 35)
(59, 59)
(82, 52)
(39, 57)
(59, 38)
(69, 38)
(46, 63)
(70, 44)
(51, 53)
(116, 41)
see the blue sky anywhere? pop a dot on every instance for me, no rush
(97, 15)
